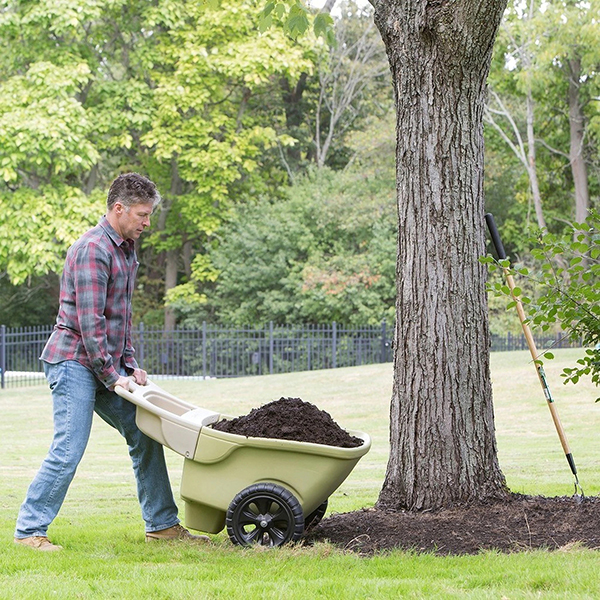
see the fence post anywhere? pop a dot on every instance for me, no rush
(383, 344)
(2, 354)
(271, 347)
(334, 345)
(141, 351)
(204, 349)
(308, 338)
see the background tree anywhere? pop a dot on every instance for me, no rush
(168, 88)
(208, 124)
(571, 56)
(443, 447)
(352, 77)
(315, 116)
(324, 253)
(521, 41)
(544, 79)
(347, 86)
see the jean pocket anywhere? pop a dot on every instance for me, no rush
(52, 372)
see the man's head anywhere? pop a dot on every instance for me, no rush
(130, 189)
(131, 200)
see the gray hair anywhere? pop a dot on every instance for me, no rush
(132, 188)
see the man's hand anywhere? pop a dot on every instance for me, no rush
(122, 381)
(140, 376)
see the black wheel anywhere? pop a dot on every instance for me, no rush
(265, 514)
(315, 517)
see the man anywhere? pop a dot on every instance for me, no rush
(87, 355)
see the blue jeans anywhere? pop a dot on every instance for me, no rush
(76, 394)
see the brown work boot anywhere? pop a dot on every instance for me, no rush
(177, 532)
(38, 542)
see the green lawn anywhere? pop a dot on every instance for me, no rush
(102, 532)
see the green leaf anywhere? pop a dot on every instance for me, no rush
(265, 23)
(323, 22)
(268, 9)
(280, 10)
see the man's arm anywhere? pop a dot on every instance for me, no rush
(91, 273)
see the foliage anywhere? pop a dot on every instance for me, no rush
(33, 303)
(38, 225)
(177, 90)
(324, 253)
(537, 52)
(174, 89)
(295, 18)
(570, 295)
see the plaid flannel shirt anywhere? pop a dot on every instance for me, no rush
(93, 325)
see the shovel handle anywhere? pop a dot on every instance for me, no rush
(489, 219)
(495, 235)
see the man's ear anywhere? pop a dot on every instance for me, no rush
(118, 208)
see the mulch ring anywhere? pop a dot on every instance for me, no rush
(518, 524)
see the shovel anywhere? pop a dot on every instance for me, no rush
(534, 353)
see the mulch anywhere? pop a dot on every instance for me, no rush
(517, 524)
(290, 419)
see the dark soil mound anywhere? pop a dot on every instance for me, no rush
(519, 523)
(290, 419)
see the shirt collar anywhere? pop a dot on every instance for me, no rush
(114, 236)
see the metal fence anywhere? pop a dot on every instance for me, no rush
(222, 351)
(216, 350)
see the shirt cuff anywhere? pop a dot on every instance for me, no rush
(110, 378)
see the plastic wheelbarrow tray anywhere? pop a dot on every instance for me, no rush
(267, 491)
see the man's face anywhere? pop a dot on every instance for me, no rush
(132, 220)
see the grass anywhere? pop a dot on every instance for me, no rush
(102, 532)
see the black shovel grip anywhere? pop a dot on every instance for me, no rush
(489, 219)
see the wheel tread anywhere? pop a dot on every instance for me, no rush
(239, 513)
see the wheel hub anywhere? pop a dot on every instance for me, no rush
(264, 521)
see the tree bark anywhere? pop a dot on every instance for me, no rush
(172, 255)
(532, 165)
(443, 447)
(171, 264)
(577, 132)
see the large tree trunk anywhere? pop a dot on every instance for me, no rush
(443, 447)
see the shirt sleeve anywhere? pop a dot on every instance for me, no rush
(129, 352)
(91, 273)
(128, 355)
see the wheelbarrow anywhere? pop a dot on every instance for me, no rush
(265, 491)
